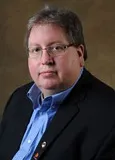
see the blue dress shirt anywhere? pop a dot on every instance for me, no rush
(43, 112)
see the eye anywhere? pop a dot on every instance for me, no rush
(58, 48)
(36, 50)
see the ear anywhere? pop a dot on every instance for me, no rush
(80, 52)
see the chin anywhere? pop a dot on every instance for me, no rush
(48, 85)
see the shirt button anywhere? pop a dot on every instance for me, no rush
(43, 145)
(53, 107)
(29, 141)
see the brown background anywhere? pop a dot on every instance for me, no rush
(98, 19)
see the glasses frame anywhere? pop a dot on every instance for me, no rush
(50, 50)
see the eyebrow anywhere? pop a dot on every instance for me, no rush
(49, 44)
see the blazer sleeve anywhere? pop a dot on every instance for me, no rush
(6, 114)
(107, 149)
(11, 103)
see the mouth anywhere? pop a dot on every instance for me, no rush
(47, 73)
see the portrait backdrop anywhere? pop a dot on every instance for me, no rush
(98, 19)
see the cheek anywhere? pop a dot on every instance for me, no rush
(63, 66)
(32, 68)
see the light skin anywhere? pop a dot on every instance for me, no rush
(54, 74)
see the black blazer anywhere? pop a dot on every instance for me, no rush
(82, 129)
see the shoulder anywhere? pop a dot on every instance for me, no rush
(21, 91)
(96, 84)
(24, 88)
(102, 88)
(97, 91)
(18, 95)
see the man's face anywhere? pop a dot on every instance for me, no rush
(53, 74)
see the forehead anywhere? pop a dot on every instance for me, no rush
(46, 33)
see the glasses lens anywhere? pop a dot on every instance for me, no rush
(56, 50)
(35, 52)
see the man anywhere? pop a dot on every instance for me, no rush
(66, 113)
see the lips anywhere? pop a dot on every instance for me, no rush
(47, 73)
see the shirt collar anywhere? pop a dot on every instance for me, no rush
(34, 94)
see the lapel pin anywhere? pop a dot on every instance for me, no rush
(36, 156)
(43, 145)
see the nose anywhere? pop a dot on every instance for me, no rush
(46, 59)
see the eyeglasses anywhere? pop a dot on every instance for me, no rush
(53, 50)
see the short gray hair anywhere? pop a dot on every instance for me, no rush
(64, 18)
